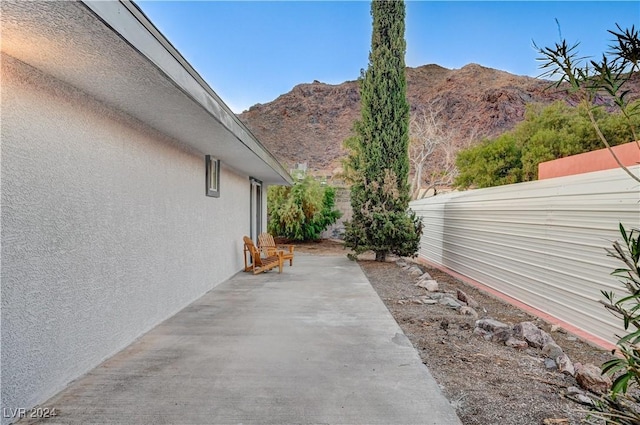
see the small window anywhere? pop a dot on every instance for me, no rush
(213, 176)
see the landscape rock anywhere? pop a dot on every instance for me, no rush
(536, 337)
(491, 325)
(450, 302)
(419, 300)
(401, 263)
(428, 284)
(425, 299)
(468, 311)
(425, 276)
(578, 395)
(574, 391)
(584, 399)
(432, 286)
(502, 335)
(482, 332)
(552, 350)
(516, 343)
(589, 377)
(467, 299)
(550, 364)
(504, 385)
(415, 271)
(565, 365)
(438, 295)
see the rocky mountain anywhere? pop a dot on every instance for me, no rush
(309, 123)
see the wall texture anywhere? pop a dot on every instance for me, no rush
(106, 231)
(542, 243)
(601, 159)
(343, 204)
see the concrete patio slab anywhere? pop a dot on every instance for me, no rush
(313, 345)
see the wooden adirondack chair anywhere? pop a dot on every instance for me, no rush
(268, 245)
(259, 264)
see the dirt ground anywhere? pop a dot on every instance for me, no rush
(487, 382)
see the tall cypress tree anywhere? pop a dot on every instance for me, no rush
(380, 160)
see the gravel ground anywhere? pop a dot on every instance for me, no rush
(487, 382)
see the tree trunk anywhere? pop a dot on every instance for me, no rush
(381, 256)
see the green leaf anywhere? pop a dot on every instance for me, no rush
(620, 384)
(612, 366)
(623, 232)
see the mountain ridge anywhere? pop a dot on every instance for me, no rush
(309, 123)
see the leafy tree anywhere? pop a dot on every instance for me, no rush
(547, 132)
(492, 163)
(559, 130)
(551, 132)
(351, 163)
(301, 212)
(379, 165)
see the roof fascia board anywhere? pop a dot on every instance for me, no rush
(126, 18)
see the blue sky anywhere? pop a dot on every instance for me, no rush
(253, 51)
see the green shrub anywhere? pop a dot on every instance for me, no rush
(626, 308)
(619, 406)
(301, 212)
(492, 163)
(588, 79)
(547, 132)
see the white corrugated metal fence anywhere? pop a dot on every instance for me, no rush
(541, 242)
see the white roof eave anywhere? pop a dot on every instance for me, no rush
(113, 53)
(126, 18)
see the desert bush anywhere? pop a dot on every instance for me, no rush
(626, 308)
(620, 406)
(547, 132)
(492, 163)
(560, 130)
(301, 212)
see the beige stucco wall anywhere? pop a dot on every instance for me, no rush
(106, 231)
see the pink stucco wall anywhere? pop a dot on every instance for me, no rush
(629, 155)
